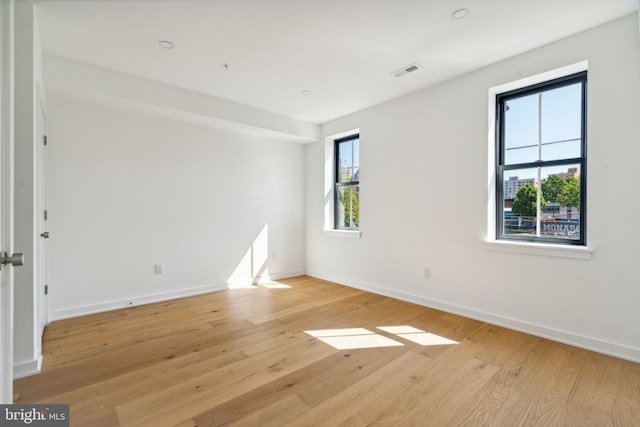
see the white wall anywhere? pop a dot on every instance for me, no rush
(424, 203)
(128, 191)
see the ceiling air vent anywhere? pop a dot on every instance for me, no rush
(406, 70)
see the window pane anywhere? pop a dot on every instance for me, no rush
(561, 150)
(559, 203)
(521, 130)
(345, 161)
(560, 114)
(514, 156)
(356, 153)
(342, 210)
(348, 201)
(561, 192)
(561, 121)
(356, 160)
(355, 206)
(520, 202)
(515, 179)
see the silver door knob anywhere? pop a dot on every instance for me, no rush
(15, 260)
(45, 235)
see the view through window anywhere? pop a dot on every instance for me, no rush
(347, 186)
(541, 162)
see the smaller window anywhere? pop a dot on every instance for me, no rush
(347, 183)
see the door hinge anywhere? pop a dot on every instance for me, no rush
(46, 214)
(46, 289)
(45, 140)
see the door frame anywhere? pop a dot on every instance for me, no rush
(6, 198)
(42, 311)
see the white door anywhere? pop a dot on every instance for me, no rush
(6, 200)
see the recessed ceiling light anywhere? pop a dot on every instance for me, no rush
(459, 14)
(165, 44)
(306, 92)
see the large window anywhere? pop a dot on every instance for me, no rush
(347, 183)
(541, 162)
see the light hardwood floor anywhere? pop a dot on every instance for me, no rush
(242, 357)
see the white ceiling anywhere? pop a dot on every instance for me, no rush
(344, 51)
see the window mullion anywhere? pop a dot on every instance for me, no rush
(545, 163)
(351, 203)
(538, 201)
(538, 170)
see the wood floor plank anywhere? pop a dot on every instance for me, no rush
(243, 357)
(283, 410)
(349, 403)
(488, 407)
(625, 409)
(92, 402)
(301, 308)
(65, 354)
(547, 389)
(591, 400)
(314, 384)
(436, 405)
(218, 386)
(492, 404)
(113, 364)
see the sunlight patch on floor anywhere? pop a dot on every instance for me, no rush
(360, 341)
(263, 283)
(354, 338)
(416, 335)
(400, 329)
(339, 332)
(274, 285)
(426, 338)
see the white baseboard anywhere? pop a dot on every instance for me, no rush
(148, 299)
(248, 282)
(279, 276)
(565, 337)
(131, 302)
(26, 369)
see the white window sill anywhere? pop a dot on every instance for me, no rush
(565, 251)
(347, 234)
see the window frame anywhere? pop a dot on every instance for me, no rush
(500, 168)
(337, 184)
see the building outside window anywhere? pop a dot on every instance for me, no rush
(541, 162)
(347, 183)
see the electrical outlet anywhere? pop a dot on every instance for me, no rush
(427, 272)
(159, 268)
